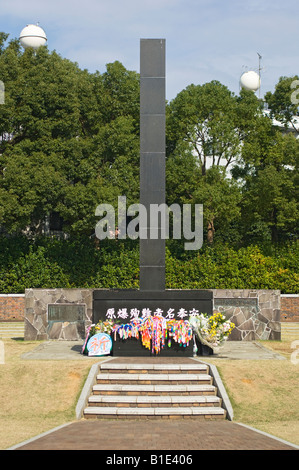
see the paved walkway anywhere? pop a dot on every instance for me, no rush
(159, 434)
(68, 350)
(152, 435)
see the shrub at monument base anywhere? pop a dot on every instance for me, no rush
(77, 263)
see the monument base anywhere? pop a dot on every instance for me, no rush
(123, 306)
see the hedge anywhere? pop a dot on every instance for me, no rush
(50, 263)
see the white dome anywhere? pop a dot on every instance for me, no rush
(250, 81)
(33, 36)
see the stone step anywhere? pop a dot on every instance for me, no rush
(11, 330)
(290, 329)
(137, 389)
(153, 390)
(154, 368)
(153, 401)
(289, 326)
(153, 379)
(152, 412)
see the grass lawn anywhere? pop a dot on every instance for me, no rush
(264, 394)
(36, 396)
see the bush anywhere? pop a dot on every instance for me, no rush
(79, 263)
(73, 263)
(222, 267)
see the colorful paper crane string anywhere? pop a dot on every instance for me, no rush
(154, 332)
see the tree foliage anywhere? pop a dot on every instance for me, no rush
(69, 141)
(240, 167)
(283, 102)
(67, 138)
(75, 263)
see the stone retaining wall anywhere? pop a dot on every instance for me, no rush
(256, 313)
(39, 326)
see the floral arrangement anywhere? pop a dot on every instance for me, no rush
(211, 330)
(106, 326)
(155, 332)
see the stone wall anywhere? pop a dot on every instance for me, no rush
(43, 318)
(289, 308)
(256, 313)
(12, 307)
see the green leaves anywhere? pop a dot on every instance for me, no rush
(76, 262)
(234, 161)
(205, 117)
(222, 267)
(69, 139)
(282, 104)
(79, 262)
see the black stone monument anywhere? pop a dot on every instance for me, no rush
(152, 158)
(124, 305)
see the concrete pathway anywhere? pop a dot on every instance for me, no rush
(69, 350)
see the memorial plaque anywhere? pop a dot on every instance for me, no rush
(236, 302)
(66, 321)
(66, 312)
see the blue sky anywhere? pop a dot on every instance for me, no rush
(205, 39)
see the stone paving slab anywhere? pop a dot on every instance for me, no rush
(148, 435)
(160, 399)
(155, 411)
(152, 377)
(57, 350)
(71, 350)
(153, 388)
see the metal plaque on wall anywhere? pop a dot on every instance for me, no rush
(66, 312)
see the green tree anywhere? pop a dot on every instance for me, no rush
(270, 203)
(283, 102)
(270, 171)
(220, 197)
(69, 139)
(207, 127)
(212, 123)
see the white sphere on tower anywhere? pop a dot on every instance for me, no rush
(250, 81)
(33, 36)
